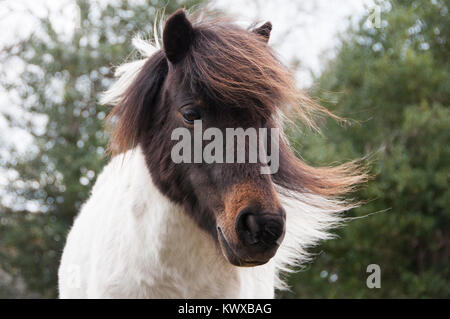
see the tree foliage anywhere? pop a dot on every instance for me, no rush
(394, 83)
(62, 78)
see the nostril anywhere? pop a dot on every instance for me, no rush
(251, 223)
(248, 228)
(272, 231)
(261, 228)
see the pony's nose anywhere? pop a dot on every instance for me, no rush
(261, 229)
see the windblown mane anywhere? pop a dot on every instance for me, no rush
(230, 65)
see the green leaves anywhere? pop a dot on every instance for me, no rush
(61, 82)
(399, 98)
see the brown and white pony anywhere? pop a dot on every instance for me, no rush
(155, 228)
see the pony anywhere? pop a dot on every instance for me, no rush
(153, 228)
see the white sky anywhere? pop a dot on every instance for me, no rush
(302, 29)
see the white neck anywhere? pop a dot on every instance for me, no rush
(144, 245)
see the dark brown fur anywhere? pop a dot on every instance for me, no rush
(234, 78)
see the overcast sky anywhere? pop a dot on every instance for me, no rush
(303, 29)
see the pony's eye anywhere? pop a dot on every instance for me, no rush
(190, 115)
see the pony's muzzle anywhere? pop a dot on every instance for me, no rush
(259, 234)
(260, 229)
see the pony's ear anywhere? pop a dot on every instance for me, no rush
(177, 36)
(264, 31)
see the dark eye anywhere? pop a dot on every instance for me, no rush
(190, 115)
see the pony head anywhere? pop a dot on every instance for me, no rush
(225, 76)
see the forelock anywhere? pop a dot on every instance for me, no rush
(235, 67)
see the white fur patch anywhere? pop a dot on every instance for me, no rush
(127, 72)
(130, 241)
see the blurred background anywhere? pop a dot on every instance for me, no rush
(382, 64)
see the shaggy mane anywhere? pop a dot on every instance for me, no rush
(234, 66)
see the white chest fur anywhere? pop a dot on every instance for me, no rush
(130, 241)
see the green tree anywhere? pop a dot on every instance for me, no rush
(394, 82)
(62, 78)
